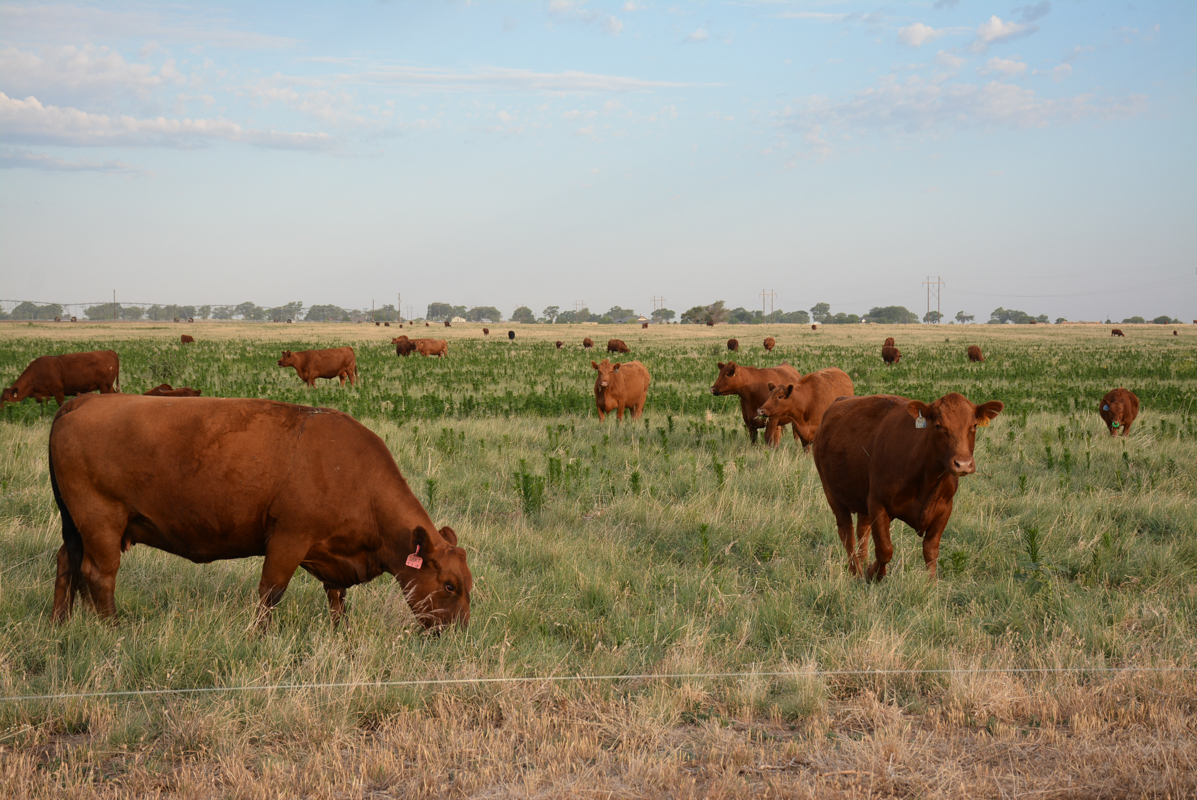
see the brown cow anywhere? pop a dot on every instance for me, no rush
(710, 323)
(587, 343)
(617, 346)
(447, 325)
(752, 386)
(403, 346)
(644, 325)
(432, 347)
(891, 355)
(511, 336)
(1117, 332)
(814, 327)
(770, 343)
(804, 402)
(974, 353)
(185, 339)
(884, 457)
(889, 342)
(215, 478)
(559, 345)
(165, 390)
(1118, 410)
(68, 374)
(427, 324)
(1174, 333)
(619, 386)
(733, 345)
(377, 324)
(336, 362)
(486, 331)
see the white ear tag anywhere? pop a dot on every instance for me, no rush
(920, 422)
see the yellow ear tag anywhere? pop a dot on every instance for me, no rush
(983, 422)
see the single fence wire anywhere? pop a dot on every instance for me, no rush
(659, 676)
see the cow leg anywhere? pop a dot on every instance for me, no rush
(602, 415)
(861, 557)
(843, 525)
(66, 584)
(336, 602)
(101, 560)
(751, 425)
(619, 413)
(883, 546)
(772, 432)
(61, 398)
(931, 539)
(282, 559)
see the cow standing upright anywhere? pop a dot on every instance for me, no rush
(974, 353)
(733, 345)
(336, 362)
(511, 336)
(1118, 409)
(587, 343)
(770, 343)
(752, 386)
(803, 402)
(889, 342)
(619, 386)
(883, 457)
(68, 374)
(890, 355)
(486, 331)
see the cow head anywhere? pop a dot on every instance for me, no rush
(606, 373)
(951, 429)
(288, 359)
(11, 395)
(1115, 411)
(399, 339)
(438, 590)
(730, 380)
(778, 395)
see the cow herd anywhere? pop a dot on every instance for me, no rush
(221, 478)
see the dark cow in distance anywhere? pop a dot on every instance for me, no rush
(974, 353)
(814, 327)
(486, 331)
(752, 386)
(427, 324)
(403, 345)
(511, 336)
(559, 344)
(804, 402)
(890, 355)
(733, 345)
(883, 457)
(215, 478)
(336, 362)
(187, 339)
(644, 326)
(68, 374)
(587, 343)
(447, 325)
(617, 346)
(1117, 332)
(770, 343)
(165, 390)
(889, 342)
(619, 386)
(710, 323)
(1118, 409)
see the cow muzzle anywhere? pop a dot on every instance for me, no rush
(964, 466)
(602, 383)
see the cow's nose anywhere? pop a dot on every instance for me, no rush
(761, 412)
(713, 390)
(964, 466)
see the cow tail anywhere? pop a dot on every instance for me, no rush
(72, 540)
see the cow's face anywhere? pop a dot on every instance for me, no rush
(606, 373)
(1115, 410)
(730, 379)
(288, 359)
(951, 428)
(10, 395)
(438, 592)
(778, 395)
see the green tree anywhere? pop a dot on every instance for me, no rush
(933, 317)
(1134, 321)
(203, 312)
(249, 311)
(962, 318)
(483, 314)
(292, 310)
(891, 315)
(694, 316)
(524, 315)
(439, 311)
(325, 313)
(663, 315)
(715, 313)
(1165, 320)
(820, 312)
(551, 313)
(1060, 320)
(618, 313)
(843, 319)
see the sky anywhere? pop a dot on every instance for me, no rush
(1038, 156)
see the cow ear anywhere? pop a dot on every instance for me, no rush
(449, 535)
(917, 408)
(594, 365)
(789, 389)
(771, 385)
(731, 368)
(419, 539)
(617, 367)
(721, 365)
(988, 411)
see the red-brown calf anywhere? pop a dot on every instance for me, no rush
(1118, 409)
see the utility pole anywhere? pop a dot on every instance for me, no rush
(399, 305)
(579, 305)
(770, 295)
(114, 305)
(409, 311)
(938, 284)
(658, 302)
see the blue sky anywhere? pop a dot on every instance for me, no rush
(1037, 156)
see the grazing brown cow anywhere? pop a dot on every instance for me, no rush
(889, 342)
(176, 319)
(386, 324)
(215, 478)
(403, 345)
(427, 324)
(804, 402)
(814, 327)
(69, 374)
(883, 458)
(1174, 333)
(511, 336)
(891, 355)
(710, 324)
(587, 343)
(644, 325)
(770, 343)
(752, 386)
(336, 362)
(733, 345)
(974, 353)
(486, 331)
(164, 390)
(617, 346)
(559, 345)
(1118, 410)
(185, 339)
(619, 386)
(377, 324)
(1117, 332)
(447, 325)
(432, 347)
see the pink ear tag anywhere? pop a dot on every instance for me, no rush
(414, 561)
(920, 422)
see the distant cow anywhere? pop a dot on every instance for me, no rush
(486, 331)
(890, 355)
(559, 345)
(884, 457)
(1117, 332)
(189, 319)
(814, 327)
(752, 387)
(216, 478)
(164, 390)
(710, 323)
(511, 335)
(427, 324)
(403, 346)
(1174, 333)
(377, 324)
(432, 347)
(337, 362)
(1118, 410)
(447, 325)
(617, 346)
(804, 402)
(386, 324)
(889, 342)
(619, 386)
(643, 325)
(733, 345)
(69, 374)
(974, 353)
(770, 343)
(187, 339)
(176, 319)
(587, 343)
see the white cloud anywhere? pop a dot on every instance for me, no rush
(19, 158)
(995, 31)
(950, 61)
(612, 25)
(1061, 72)
(487, 79)
(86, 70)
(577, 11)
(1004, 66)
(698, 36)
(631, 6)
(918, 34)
(32, 122)
(504, 116)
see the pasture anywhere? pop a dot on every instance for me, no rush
(669, 545)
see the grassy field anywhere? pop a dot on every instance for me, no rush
(667, 545)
